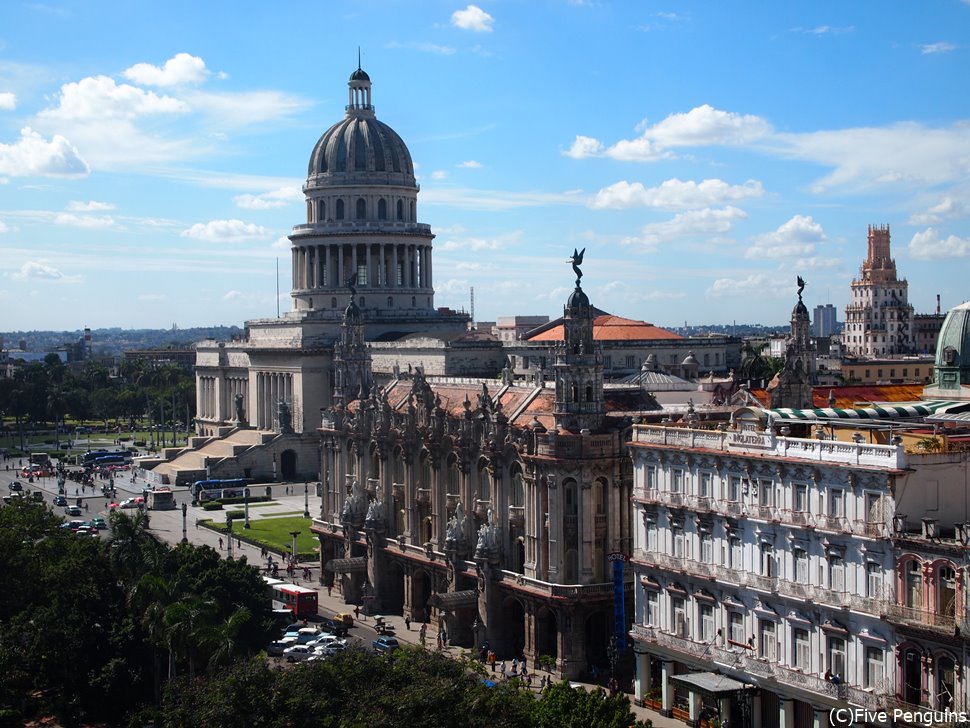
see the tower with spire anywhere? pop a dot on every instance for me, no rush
(792, 386)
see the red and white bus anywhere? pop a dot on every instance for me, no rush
(300, 600)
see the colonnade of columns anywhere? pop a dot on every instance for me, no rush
(387, 266)
(208, 397)
(271, 387)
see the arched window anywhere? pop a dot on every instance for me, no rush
(309, 211)
(382, 209)
(390, 302)
(400, 210)
(484, 482)
(572, 499)
(375, 464)
(340, 209)
(425, 471)
(411, 216)
(361, 209)
(333, 303)
(945, 682)
(362, 302)
(454, 477)
(398, 474)
(913, 578)
(599, 497)
(518, 488)
(321, 210)
(946, 591)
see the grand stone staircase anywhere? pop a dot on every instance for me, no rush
(240, 453)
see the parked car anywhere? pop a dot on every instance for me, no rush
(87, 530)
(131, 503)
(11, 497)
(307, 635)
(334, 627)
(276, 649)
(332, 649)
(383, 645)
(73, 511)
(37, 496)
(322, 641)
(297, 653)
(345, 617)
(60, 500)
(15, 486)
(99, 523)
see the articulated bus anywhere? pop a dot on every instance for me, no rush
(301, 601)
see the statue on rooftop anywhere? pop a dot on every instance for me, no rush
(801, 287)
(577, 260)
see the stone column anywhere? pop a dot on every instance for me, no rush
(328, 278)
(667, 690)
(393, 282)
(428, 283)
(820, 717)
(724, 707)
(555, 528)
(786, 709)
(353, 259)
(641, 685)
(695, 705)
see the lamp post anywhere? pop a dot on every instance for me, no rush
(293, 558)
(229, 534)
(246, 505)
(306, 499)
(185, 508)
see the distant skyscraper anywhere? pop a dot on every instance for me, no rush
(879, 318)
(824, 320)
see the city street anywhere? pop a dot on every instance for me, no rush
(170, 526)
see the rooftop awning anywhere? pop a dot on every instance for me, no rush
(450, 601)
(347, 566)
(881, 411)
(713, 683)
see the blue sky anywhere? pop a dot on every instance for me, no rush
(703, 153)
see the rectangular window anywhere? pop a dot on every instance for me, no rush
(873, 580)
(836, 573)
(607, 362)
(836, 656)
(736, 553)
(650, 475)
(873, 508)
(801, 498)
(837, 503)
(705, 485)
(630, 362)
(734, 489)
(361, 274)
(399, 275)
(652, 536)
(678, 614)
(737, 628)
(707, 548)
(768, 645)
(679, 540)
(766, 493)
(801, 566)
(767, 560)
(653, 608)
(874, 667)
(707, 622)
(802, 649)
(677, 481)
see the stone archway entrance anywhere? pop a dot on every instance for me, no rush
(547, 633)
(288, 464)
(513, 628)
(598, 639)
(392, 589)
(420, 596)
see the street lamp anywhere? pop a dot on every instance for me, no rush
(229, 533)
(293, 558)
(246, 504)
(306, 499)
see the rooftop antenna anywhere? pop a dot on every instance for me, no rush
(358, 58)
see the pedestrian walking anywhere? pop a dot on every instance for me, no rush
(501, 669)
(407, 623)
(439, 642)
(422, 633)
(329, 589)
(220, 544)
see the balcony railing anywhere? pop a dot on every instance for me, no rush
(767, 513)
(833, 523)
(924, 617)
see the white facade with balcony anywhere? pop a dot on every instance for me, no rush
(767, 559)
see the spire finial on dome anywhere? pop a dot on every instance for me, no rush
(358, 58)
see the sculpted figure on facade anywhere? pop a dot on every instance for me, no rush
(240, 412)
(455, 535)
(375, 512)
(355, 505)
(487, 537)
(285, 418)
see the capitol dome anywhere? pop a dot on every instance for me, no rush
(951, 371)
(359, 149)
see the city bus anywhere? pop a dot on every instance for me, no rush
(301, 601)
(115, 458)
(206, 490)
(91, 455)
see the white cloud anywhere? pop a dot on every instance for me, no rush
(820, 30)
(927, 245)
(90, 206)
(33, 155)
(152, 297)
(472, 18)
(939, 47)
(38, 270)
(100, 98)
(233, 110)
(180, 68)
(757, 284)
(268, 200)
(8, 101)
(797, 237)
(673, 194)
(3, 227)
(478, 244)
(84, 221)
(282, 243)
(471, 164)
(225, 231)
(695, 222)
(439, 174)
(583, 147)
(947, 208)
(425, 47)
(701, 126)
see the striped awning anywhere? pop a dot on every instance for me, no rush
(880, 411)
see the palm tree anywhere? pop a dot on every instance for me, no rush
(187, 623)
(152, 596)
(224, 637)
(129, 538)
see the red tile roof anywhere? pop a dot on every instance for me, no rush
(608, 327)
(850, 396)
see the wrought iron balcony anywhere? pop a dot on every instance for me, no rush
(922, 617)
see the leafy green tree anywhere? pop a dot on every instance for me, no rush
(562, 706)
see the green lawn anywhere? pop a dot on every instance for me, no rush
(274, 533)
